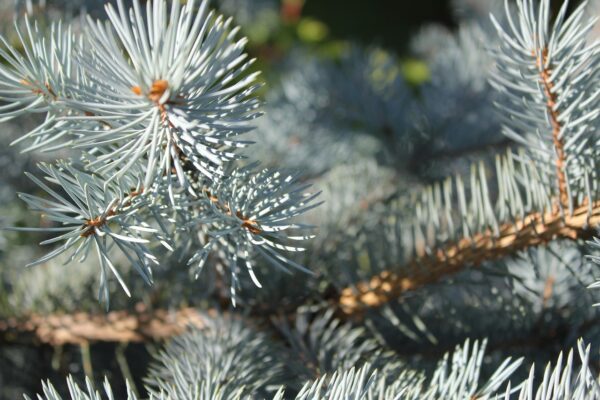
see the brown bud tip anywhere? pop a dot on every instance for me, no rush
(158, 89)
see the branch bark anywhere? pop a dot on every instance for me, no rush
(116, 326)
(534, 230)
(557, 141)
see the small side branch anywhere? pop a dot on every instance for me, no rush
(559, 146)
(116, 326)
(534, 230)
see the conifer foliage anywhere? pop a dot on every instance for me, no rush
(156, 101)
(452, 251)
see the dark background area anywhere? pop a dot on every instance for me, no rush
(388, 23)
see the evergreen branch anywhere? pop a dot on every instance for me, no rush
(548, 73)
(457, 376)
(325, 345)
(534, 199)
(94, 215)
(115, 326)
(557, 140)
(252, 213)
(89, 392)
(531, 220)
(567, 381)
(535, 229)
(162, 96)
(177, 88)
(227, 358)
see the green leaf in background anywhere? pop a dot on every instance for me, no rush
(416, 72)
(311, 30)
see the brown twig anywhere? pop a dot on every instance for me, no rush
(89, 226)
(116, 326)
(534, 230)
(559, 146)
(247, 223)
